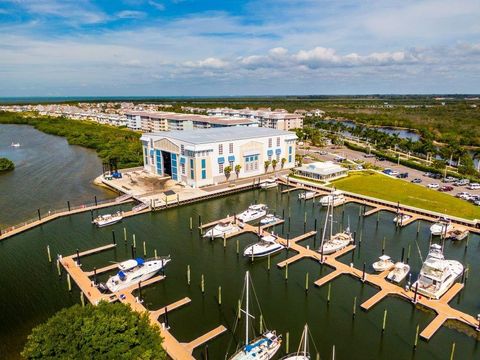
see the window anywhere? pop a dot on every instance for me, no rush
(289, 158)
(251, 163)
(278, 141)
(220, 168)
(204, 174)
(220, 149)
(230, 148)
(192, 170)
(145, 153)
(158, 156)
(270, 142)
(183, 168)
(269, 157)
(174, 167)
(290, 149)
(182, 149)
(204, 171)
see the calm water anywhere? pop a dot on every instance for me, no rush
(32, 291)
(48, 173)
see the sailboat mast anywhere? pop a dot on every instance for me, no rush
(247, 315)
(305, 334)
(331, 222)
(325, 228)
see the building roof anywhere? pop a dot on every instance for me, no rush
(322, 168)
(223, 134)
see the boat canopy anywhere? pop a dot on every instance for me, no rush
(250, 347)
(122, 275)
(140, 261)
(269, 238)
(384, 257)
(129, 264)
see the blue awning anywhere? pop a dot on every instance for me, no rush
(182, 160)
(270, 152)
(140, 261)
(152, 152)
(121, 275)
(278, 151)
(221, 160)
(231, 158)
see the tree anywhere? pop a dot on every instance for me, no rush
(227, 171)
(267, 164)
(299, 159)
(274, 164)
(282, 162)
(6, 164)
(238, 167)
(105, 331)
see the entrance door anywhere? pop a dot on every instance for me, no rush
(167, 163)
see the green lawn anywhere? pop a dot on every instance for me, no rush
(386, 188)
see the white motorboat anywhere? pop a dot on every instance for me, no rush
(266, 246)
(335, 198)
(269, 183)
(307, 195)
(400, 218)
(437, 274)
(263, 347)
(221, 229)
(253, 212)
(269, 219)
(335, 242)
(16, 145)
(399, 272)
(133, 271)
(458, 234)
(442, 226)
(108, 219)
(302, 352)
(384, 263)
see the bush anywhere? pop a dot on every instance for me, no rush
(6, 165)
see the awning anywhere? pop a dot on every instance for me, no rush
(231, 158)
(251, 152)
(221, 160)
(270, 152)
(182, 160)
(278, 151)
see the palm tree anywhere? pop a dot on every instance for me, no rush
(283, 161)
(299, 159)
(267, 164)
(227, 171)
(238, 167)
(274, 164)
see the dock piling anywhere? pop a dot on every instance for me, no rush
(354, 312)
(287, 341)
(96, 203)
(95, 275)
(363, 272)
(261, 323)
(403, 253)
(68, 206)
(144, 249)
(408, 253)
(113, 237)
(224, 241)
(328, 293)
(384, 320)
(39, 216)
(134, 241)
(202, 284)
(133, 251)
(78, 258)
(69, 282)
(239, 309)
(452, 353)
(219, 295)
(286, 272)
(306, 282)
(268, 262)
(155, 253)
(191, 223)
(48, 254)
(82, 298)
(59, 271)
(125, 234)
(416, 338)
(188, 275)
(91, 215)
(238, 247)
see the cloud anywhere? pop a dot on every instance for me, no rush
(130, 14)
(157, 5)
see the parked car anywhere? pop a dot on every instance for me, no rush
(402, 175)
(380, 159)
(387, 171)
(446, 188)
(436, 176)
(369, 155)
(394, 173)
(417, 181)
(473, 186)
(428, 174)
(433, 186)
(449, 179)
(477, 202)
(462, 182)
(462, 194)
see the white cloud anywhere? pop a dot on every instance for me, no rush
(157, 5)
(130, 14)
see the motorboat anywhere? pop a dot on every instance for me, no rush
(335, 242)
(253, 212)
(400, 218)
(302, 352)
(399, 272)
(269, 183)
(307, 195)
(458, 234)
(108, 219)
(335, 198)
(15, 145)
(263, 347)
(269, 219)
(384, 263)
(133, 271)
(441, 226)
(267, 245)
(221, 229)
(437, 274)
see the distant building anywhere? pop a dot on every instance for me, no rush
(322, 171)
(199, 157)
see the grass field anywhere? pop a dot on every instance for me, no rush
(387, 188)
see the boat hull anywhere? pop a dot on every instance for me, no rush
(258, 353)
(261, 251)
(456, 269)
(397, 275)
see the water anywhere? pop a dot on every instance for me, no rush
(48, 173)
(402, 133)
(32, 291)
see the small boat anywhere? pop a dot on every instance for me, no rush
(266, 246)
(441, 226)
(399, 272)
(269, 183)
(307, 195)
(133, 271)
(458, 234)
(437, 274)
(401, 218)
(16, 145)
(108, 219)
(335, 198)
(302, 352)
(221, 229)
(253, 212)
(263, 347)
(335, 242)
(269, 219)
(384, 263)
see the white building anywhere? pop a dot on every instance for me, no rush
(323, 171)
(199, 157)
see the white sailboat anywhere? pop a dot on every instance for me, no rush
(269, 183)
(15, 145)
(399, 272)
(334, 242)
(133, 271)
(307, 195)
(263, 347)
(108, 219)
(253, 212)
(269, 219)
(335, 198)
(442, 226)
(384, 263)
(266, 246)
(302, 352)
(221, 229)
(437, 274)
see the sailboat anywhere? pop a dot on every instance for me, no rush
(15, 145)
(334, 242)
(302, 352)
(263, 347)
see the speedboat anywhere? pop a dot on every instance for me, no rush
(307, 195)
(384, 263)
(401, 218)
(16, 145)
(437, 274)
(108, 219)
(253, 212)
(266, 246)
(302, 352)
(263, 347)
(458, 234)
(133, 271)
(269, 219)
(269, 183)
(442, 226)
(221, 229)
(335, 198)
(399, 272)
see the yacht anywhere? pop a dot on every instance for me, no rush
(221, 229)
(442, 226)
(302, 352)
(269, 219)
(253, 212)
(266, 246)
(307, 195)
(269, 183)
(437, 274)
(334, 242)
(108, 219)
(133, 271)
(335, 198)
(16, 145)
(399, 272)
(400, 218)
(263, 347)
(384, 263)
(458, 234)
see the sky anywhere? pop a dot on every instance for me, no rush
(232, 48)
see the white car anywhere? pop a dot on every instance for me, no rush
(474, 186)
(433, 186)
(394, 173)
